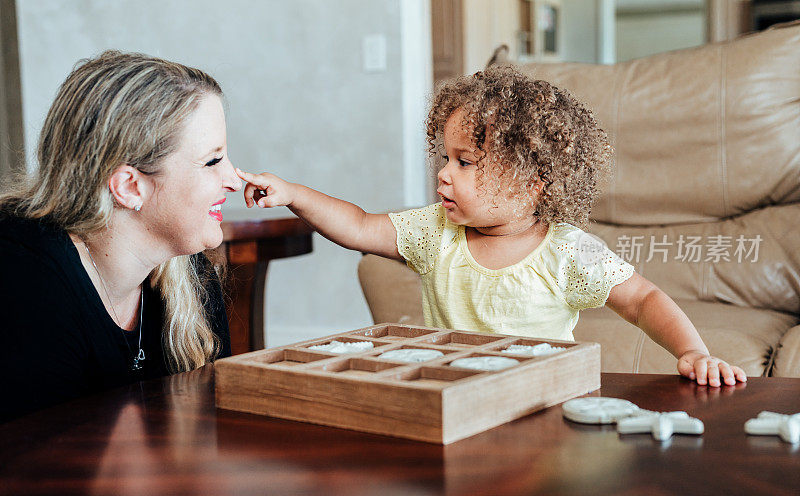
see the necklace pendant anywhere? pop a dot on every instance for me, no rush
(136, 361)
(139, 356)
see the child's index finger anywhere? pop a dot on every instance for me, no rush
(250, 178)
(244, 175)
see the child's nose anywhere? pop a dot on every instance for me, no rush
(444, 174)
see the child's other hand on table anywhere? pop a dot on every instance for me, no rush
(266, 190)
(706, 369)
(644, 305)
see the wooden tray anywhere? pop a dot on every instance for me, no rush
(429, 401)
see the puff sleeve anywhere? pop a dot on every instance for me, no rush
(422, 233)
(586, 269)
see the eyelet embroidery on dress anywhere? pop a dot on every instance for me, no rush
(585, 286)
(420, 235)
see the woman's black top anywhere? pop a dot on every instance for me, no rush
(57, 341)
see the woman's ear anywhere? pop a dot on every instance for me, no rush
(126, 185)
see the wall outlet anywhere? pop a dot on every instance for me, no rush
(374, 53)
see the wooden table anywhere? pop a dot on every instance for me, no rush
(249, 246)
(166, 437)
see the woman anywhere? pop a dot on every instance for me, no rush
(103, 282)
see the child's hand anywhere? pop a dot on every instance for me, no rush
(266, 190)
(706, 369)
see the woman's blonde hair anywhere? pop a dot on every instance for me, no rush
(121, 108)
(532, 134)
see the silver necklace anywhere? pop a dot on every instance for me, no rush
(136, 365)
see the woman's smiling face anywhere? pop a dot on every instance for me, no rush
(184, 211)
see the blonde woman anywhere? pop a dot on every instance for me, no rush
(103, 280)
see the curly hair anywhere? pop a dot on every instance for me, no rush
(531, 135)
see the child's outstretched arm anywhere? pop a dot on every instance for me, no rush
(641, 303)
(341, 222)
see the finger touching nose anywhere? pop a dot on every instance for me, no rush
(231, 181)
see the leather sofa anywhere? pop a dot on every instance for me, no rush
(706, 187)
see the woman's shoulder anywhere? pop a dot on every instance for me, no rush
(36, 238)
(37, 254)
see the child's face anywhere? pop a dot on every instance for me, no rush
(466, 203)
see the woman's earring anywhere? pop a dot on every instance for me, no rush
(138, 207)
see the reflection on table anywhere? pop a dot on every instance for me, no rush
(166, 437)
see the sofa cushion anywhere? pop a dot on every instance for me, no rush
(787, 356)
(767, 277)
(741, 336)
(700, 134)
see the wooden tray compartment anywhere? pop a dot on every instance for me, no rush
(499, 347)
(356, 366)
(463, 339)
(436, 376)
(422, 346)
(342, 339)
(392, 332)
(290, 356)
(428, 401)
(520, 358)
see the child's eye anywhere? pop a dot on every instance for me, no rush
(214, 161)
(464, 163)
(445, 158)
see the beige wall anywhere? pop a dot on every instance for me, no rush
(581, 31)
(645, 34)
(487, 25)
(640, 28)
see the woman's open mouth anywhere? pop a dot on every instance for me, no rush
(216, 210)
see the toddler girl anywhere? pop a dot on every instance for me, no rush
(501, 252)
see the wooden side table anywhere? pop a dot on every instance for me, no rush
(249, 246)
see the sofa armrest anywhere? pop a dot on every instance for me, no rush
(392, 290)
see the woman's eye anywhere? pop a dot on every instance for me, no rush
(214, 161)
(445, 158)
(464, 163)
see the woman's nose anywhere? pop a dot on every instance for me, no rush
(230, 180)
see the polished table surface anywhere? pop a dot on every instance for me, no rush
(166, 437)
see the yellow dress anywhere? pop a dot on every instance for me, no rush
(539, 296)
